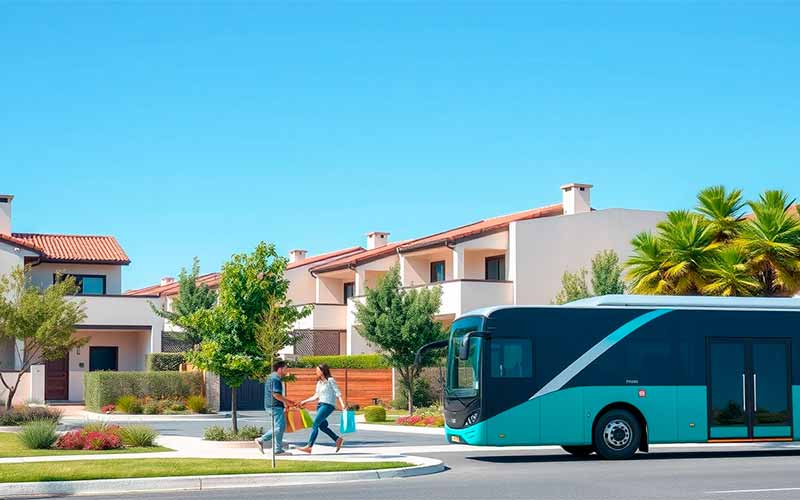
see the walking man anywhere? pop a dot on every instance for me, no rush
(274, 404)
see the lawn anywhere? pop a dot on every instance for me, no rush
(11, 447)
(162, 467)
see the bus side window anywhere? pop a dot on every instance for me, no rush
(511, 358)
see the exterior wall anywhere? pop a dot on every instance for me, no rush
(124, 311)
(475, 263)
(23, 394)
(324, 317)
(330, 290)
(417, 266)
(302, 286)
(540, 250)
(133, 347)
(42, 274)
(11, 257)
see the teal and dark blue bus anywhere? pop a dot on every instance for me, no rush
(614, 374)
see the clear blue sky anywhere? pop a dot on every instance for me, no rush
(201, 129)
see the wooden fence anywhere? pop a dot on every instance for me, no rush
(359, 386)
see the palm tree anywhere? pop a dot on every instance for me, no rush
(689, 246)
(771, 240)
(728, 275)
(645, 266)
(722, 210)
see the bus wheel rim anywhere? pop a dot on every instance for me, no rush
(617, 434)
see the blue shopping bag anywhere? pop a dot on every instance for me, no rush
(347, 424)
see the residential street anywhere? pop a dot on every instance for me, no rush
(735, 472)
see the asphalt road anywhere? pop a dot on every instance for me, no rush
(768, 472)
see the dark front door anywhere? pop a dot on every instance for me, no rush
(103, 358)
(56, 379)
(749, 390)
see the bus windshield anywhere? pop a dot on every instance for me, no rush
(463, 379)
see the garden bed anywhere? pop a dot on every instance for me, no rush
(10, 447)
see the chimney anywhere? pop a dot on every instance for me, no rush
(377, 239)
(576, 198)
(297, 256)
(167, 280)
(5, 213)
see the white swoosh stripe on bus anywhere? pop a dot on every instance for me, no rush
(597, 350)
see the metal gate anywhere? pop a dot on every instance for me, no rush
(250, 396)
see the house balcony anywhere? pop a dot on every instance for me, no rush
(463, 295)
(324, 317)
(119, 312)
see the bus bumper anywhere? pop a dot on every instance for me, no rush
(473, 435)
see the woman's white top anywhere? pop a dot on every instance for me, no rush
(328, 391)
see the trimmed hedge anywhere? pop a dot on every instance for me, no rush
(363, 361)
(375, 414)
(105, 387)
(164, 361)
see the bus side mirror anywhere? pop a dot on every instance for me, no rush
(463, 351)
(439, 344)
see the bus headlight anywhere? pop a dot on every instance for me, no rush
(472, 419)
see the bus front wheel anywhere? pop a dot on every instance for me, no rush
(579, 451)
(617, 435)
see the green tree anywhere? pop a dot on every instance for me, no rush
(252, 287)
(399, 322)
(722, 210)
(573, 287)
(645, 266)
(192, 297)
(43, 321)
(607, 274)
(606, 279)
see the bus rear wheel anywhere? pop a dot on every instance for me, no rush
(579, 451)
(617, 435)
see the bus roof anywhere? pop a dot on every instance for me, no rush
(667, 301)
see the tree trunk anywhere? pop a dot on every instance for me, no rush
(410, 392)
(10, 398)
(234, 412)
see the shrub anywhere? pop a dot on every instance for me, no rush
(129, 404)
(249, 433)
(375, 414)
(153, 407)
(419, 421)
(363, 361)
(164, 361)
(104, 387)
(197, 404)
(100, 427)
(429, 411)
(215, 433)
(177, 406)
(218, 433)
(38, 434)
(423, 396)
(89, 440)
(108, 408)
(23, 414)
(138, 436)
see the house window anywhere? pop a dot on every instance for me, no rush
(496, 267)
(437, 271)
(349, 291)
(103, 358)
(88, 284)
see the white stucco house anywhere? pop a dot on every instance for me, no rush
(517, 258)
(121, 329)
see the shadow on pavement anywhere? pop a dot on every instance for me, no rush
(658, 455)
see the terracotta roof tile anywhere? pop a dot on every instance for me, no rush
(483, 226)
(358, 258)
(73, 248)
(325, 256)
(212, 279)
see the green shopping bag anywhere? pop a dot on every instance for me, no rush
(307, 420)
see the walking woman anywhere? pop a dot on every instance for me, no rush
(327, 394)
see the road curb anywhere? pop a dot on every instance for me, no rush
(422, 466)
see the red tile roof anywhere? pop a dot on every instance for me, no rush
(358, 258)
(212, 279)
(71, 248)
(325, 256)
(469, 231)
(481, 227)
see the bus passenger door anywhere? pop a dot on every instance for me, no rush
(749, 390)
(507, 390)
